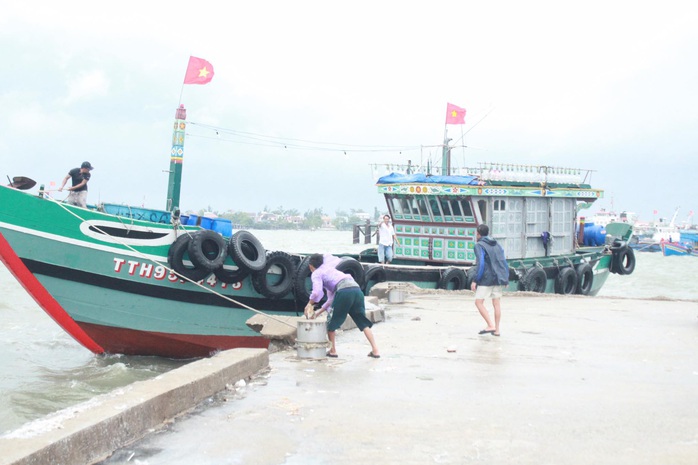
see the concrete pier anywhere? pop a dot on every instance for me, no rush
(91, 431)
(571, 380)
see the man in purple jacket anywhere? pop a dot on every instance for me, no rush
(344, 296)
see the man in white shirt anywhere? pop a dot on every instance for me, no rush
(386, 235)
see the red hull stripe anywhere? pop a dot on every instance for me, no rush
(132, 342)
(43, 298)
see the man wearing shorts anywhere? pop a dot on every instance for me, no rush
(491, 276)
(345, 297)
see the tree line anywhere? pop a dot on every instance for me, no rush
(280, 218)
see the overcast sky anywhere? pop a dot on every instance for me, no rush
(604, 86)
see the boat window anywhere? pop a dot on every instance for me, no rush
(467, 211)
(445, 206)
(423, 210)
(393, 205)
(435, 208)
(405, 207)
(455, 207)
(498, 224)
(482, 206)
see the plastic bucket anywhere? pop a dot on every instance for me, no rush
(184, 219)
(311, 339)
(192, 220)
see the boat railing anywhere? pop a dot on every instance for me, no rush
(496, 172)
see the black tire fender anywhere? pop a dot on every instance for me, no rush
(230, 276)
(207, 249)
(585, 278)
(452, 275)
(176, 256)
(374, 274)
(566, 281)
(352, 267)
(624, 261)
(247, 251)
(301, 290)
(282, 264)
(534, 280)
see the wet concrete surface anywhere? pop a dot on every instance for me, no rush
(571, 380)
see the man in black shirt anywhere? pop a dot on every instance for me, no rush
(78, 191)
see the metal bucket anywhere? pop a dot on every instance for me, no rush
(397, 296)
(311, 339)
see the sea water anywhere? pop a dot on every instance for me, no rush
(43, 370)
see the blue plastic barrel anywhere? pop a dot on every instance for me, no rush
(184, 219)
(206, 223)
(223, 227)
(594, 234)
(192, 220)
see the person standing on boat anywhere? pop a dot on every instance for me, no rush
(78, 192)
(491, 276)
(386, 238)
(344, 296)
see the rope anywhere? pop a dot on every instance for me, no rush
(144, 257)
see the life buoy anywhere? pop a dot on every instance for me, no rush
(624, 261)
(566, 282)
(247, 252)
(535, 280)
(230, 275)
(352, 267)
(452, 278)
(585, 278)
(374, 274)
(207, 249)
(176, 255)
(275, 280)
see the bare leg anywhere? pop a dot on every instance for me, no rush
(496, 303)
(331, 337)
(371, 340)
(480, 304)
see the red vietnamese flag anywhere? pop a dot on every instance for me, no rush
(454, 114)
(199, 71)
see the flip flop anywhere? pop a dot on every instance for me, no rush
(495, 334)
(485, 331)
(332, 355)
(372, 355)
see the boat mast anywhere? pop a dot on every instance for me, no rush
(446, 158)
(176, 159)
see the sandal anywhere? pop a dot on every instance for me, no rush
(332, 355)
(372, 355)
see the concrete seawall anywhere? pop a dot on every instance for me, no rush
(92, 430)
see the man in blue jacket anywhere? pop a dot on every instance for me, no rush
(491, 276)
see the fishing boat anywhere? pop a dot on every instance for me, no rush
(678, 248)
(148, 282)
(531, 211)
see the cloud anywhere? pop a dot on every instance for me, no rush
(85, 86)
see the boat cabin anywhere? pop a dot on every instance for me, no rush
(436, 217)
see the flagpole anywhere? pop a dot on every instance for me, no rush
(445, 155)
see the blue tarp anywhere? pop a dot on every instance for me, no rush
(396, 178)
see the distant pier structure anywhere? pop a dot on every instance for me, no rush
(366, 229)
